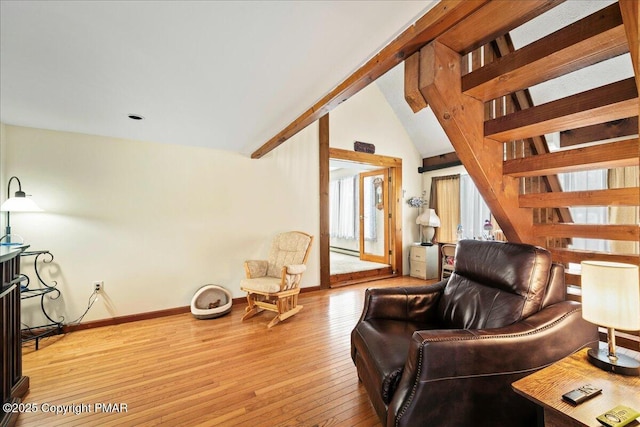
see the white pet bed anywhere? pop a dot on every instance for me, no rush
(211, 301)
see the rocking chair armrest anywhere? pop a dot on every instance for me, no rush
(291, 275)
(256, 268)
(296, 268)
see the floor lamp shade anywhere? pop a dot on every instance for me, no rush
(18, 203)
(611, 298)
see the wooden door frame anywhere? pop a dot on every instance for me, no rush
(395, 201)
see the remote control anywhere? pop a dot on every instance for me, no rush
(581, 394)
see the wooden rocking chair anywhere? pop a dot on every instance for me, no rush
(274, 284)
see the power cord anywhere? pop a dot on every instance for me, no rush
(92, 299)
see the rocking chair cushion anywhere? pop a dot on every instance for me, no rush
(261, 284)
(256, 268)
(287, 249)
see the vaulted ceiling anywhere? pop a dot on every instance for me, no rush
(220, 74)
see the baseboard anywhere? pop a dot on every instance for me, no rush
(350, 279)
(344, 251)
(125, 319)
(152, 314)
(337, 280)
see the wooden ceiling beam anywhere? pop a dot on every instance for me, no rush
(441, 161)
(610, 102)
(593, 39)
(411, 83)
(602, 156)
(436, 21)
(493, 20)
(610, 197)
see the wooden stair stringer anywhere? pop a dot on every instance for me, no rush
(462, 119)
(630, 10)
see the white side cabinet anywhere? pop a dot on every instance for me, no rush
(423, 262)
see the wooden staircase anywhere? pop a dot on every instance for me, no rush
(477, 84)
(459, 60)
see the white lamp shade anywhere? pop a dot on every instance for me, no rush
(20, 204)
(611, 294)
(429, 218)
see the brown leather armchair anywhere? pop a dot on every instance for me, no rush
(446, 354)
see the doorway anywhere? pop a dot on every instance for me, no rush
(382, 177)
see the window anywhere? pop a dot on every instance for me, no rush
(344, 209)
(582, 181)
(343, 206)
(473, 210)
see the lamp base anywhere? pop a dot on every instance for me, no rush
(427, 235)
(623, 365)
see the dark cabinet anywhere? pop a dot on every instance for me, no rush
(14, 385)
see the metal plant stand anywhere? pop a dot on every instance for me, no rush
(41, 290)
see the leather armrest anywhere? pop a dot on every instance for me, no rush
(415, 303)
(543, 338)
(255, 268)
(437, 356)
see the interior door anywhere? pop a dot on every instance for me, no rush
(374, 216)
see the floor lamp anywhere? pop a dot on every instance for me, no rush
(18, 203)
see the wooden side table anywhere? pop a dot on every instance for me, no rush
(546, 387)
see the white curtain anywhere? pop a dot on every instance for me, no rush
(343, 199)
(621, 178)
(334, 207)
(473, 210)
(583, 181)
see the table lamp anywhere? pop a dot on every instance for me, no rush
(428, 220)
(611, 298)
(18, 203)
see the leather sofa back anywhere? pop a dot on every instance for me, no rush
(495, 285)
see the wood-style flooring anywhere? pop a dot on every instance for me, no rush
(180, 371)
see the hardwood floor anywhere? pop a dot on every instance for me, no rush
(180, 371)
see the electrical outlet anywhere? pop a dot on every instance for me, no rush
(98, 285)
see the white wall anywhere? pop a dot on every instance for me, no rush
(154, 221)
(367, 117)
(3, 178)
(157, 221)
